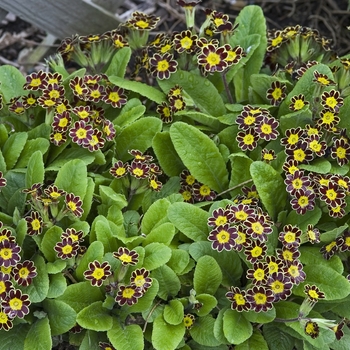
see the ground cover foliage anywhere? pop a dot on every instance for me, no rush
(183, 191)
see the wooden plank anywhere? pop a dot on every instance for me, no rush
(62, 18)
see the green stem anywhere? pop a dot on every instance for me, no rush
(234, 187)
(227, 89)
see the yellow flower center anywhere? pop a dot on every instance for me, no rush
(277, 287)
(186, 42)
(220, 220)
(16, 304)
(259, 274)
(213, 59)
(67, 249)
(260, 298)
(256, 252)
(128, 293)
(6, 253)
(24, 272)
(223, 236)
(163, 66)
(142, 24)
(331, 101)
(239, 299)
(36, 225)
(114, 96)
(98, 273)
(341, 152)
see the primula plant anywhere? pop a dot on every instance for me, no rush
(184, 190)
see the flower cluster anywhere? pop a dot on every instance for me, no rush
(139, 282)
(256, 124)
(76, 110)
(142, 172)
(69, 245)
(194, 191)
(14, 274)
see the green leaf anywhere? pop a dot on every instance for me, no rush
(255, 342)
(89, 341)
(137, 135)
(319, 165)
(165, 335)
(251, 22)
(203, 119)
(343, 114)
(126, 337)
(13, 148)
(312, 256)
(169, 283)
(132, 111)
(218, 327)
(94, 252)
(72, 178)
(207, 275)
(58, 285)
(168, 159)
(275, 337)
(61, 316)
(260, 317)
(302, 221)
(39, 287)
(95, 317)
(331, 283)
(179, 260)
(190, 220)
(39, 336)
(240, 165)
(12, 81)
(39, 144)
(230, 263)
(203, 93)
(19, 333)
(287, 309)
(174, 312)
(155, 216)
(270, 186)
(119, 62)
(203, 331)
(156, 255)
(109, 197)
(104, 234)
(143, 89)
(80, 295)
(35, 170)
(163, 233)
(200, 155)
(51, 237)
(208, 303)
(237, 329)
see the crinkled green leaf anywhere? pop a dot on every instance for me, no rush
(19, 333)
(39, 336)
(270, 186)
(200, 155)
(190, 220)
(179, 260)
(252, 25)
(51, 237)
(343, 114)
(105, 235)
(174, 312)
(132, 111)
(12, 81)
(169, 160)
(155, 215)
(255, 342)
(218, 327)
(156, 255)
(319, 165)
(163, 233)
(287, 309)
(207, 275)
(331, 283)
(203, 93)
(58, 285)
(143, 89)
(88, 198)
(126, 337)
(95, 317)
(109, 197)
(169, 283)
(240, 165)
(237, 329)
(302, 221)
(13, 148)
(137, 135)
(39, 144)
(72, 178)
(208, 303)
(88, 340)
(165, 335)
(203, 331)
(94, 252)
(80, 295)
(276, 338)
(119, 62)
(35, 169)
(260, 317)
(295, 119)
(312, 256)
(229, 261)
(202, 118)
(39, 287)
(61, 316)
